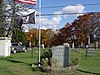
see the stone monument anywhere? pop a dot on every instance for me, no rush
(61, 55)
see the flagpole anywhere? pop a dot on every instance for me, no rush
(39, 51)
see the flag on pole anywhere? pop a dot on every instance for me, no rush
(29, 19)
(19, 21)
(33, 2)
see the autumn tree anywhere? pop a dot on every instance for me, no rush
(66, 33)
(63, 35)
(85, 26)
(57, 39)
(32, 36)
(46, 36)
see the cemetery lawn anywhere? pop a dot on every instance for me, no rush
(20, 63)
(91, 64)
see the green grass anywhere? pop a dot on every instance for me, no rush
(20, 63)
(91, 64)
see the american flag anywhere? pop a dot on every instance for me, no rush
(33, 2)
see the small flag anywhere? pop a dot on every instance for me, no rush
(29, 19)
(33, 2)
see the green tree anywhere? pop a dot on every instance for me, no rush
(18, 36)
(0, 2)
(2, 19)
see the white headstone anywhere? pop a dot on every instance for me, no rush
(43, 46)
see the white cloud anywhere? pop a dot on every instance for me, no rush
(55, 21)
(71, 9)
(50, 23)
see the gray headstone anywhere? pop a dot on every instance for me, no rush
(61, 55)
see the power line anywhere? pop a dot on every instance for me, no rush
(45, 7)
(60, 14)
(55, 14)
(94, 4)
(66, 14)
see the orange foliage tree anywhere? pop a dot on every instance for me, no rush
(85, 26)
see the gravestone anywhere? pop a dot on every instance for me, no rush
(61, 55)
(90, 50)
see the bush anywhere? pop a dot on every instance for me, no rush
(46, 60)
(46, 54)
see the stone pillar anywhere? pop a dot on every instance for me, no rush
(5, 44)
